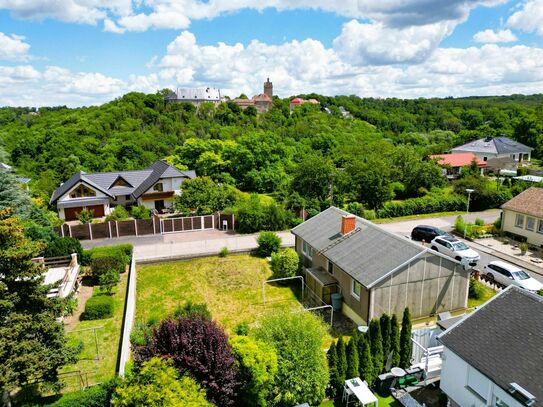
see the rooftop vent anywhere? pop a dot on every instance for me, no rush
(488, 139)
(521, 394)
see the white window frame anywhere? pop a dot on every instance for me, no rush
(307, 250)
(540, 227)
(528, 219)
(353, 293)
(517, 223)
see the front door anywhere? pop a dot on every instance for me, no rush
(159, 205)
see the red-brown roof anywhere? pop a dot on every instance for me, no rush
(262, 98)
(458, 159)
(529, 202)
(297, 101)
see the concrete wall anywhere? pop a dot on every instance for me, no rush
(508, 225)
(428, 285)
(454, 382)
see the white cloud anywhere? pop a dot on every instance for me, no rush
(492, 37)
(13, 47)
(529, 18)
(376, 44)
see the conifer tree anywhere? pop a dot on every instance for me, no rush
(352, 359)
(376, 345)
(405, 340)
(395, 340)
(332, 390)
(384, 321)
(365, 368)
(341, 359)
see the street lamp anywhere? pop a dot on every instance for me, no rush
(469, 191)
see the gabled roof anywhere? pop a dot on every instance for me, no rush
(457, 159)
(529, 202)
(494, 145)
(139, 180)
(502, 340)
(367, 254)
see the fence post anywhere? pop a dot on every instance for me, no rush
(213, 221)
(202, 223)
(90, 230)
(233, 222)
(70, 230)
(109, 226)
(62, 230)
(136, 226)
(192, 223)
(117, 228)
(154, 230)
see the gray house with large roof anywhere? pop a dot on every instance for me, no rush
(376, 271)
(492, 357)
(155, 188)
(496, 147)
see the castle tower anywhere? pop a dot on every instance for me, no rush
(268, 88)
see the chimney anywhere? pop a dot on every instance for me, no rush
(348, 223)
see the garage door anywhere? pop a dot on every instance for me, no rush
(71, 213)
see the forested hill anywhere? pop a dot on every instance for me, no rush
(255, 153)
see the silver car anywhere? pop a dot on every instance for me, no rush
(508, 274)
(456, 249)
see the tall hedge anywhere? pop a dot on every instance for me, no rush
(376, 345)
(425, 204)
(405, 340)
(64, 246)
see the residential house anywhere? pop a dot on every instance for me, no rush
(496, 147)
(196, 96)
(376, 271)
(262, 102)
(523, 216)
(299, 101)
(154, 188)
(492, 357)
(453, 163)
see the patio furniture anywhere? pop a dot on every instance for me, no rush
(357, 391)
(398, 372)
(408, 380)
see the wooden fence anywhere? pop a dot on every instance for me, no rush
(143, 227)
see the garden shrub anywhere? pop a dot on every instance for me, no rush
(256, 362)
(268, 243)
(285, 263)
(139, 334)
(425, 204)
(108, 279)
(95, 396)
(64, 246)
(105, 264)
(302, 375)
(199, 347)
(223, 252)
(479, 222)
(460, 224)
(85, 216)
(118, 213)
(242, 328)
(140, 212)
(98, 307)
(476, 289)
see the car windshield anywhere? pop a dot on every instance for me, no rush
(520, 275)
(441, 232)
(459, 246)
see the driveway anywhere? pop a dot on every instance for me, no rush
(187, 244)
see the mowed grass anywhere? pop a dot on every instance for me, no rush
(488, 293)
(109, 336)
(230, 286)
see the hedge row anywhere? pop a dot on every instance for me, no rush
(98, 307)
(106, 258)
(426, 204)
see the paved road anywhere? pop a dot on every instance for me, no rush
(447, 223)
(189, 244)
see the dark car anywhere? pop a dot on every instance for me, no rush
(427, 233)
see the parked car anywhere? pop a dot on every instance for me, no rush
(426, 233)
(456, 249)
(508, 274)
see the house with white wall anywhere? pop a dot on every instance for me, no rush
(496, 147)
(523, 216)
(493, 357)
(155, 188)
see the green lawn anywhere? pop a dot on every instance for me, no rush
(488, 293)
(108, 343)
(230, 286)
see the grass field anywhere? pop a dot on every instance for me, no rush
(102, 366)
(230, 286)
(488, 293)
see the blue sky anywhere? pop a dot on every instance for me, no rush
(76, 53)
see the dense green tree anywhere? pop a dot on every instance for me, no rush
(13, 196)
(203, 196)
(32, 343)
(157, 383)
(405, 340)
(302, 368)
(313, 178)
(257, 366)
(285, 263)
(342, 358)
(395, 340)
(376, 345)
(352, 358)
(385, 324)
(366, 369)
(371, 181)
(336, 385)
